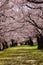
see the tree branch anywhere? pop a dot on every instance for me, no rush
(36, 2)
(34, 23)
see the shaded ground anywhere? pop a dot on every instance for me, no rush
(21, 55)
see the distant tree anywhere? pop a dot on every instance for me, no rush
(14, 43)
(27, 42)
(6, 45)
(30, 41)
(21, 43)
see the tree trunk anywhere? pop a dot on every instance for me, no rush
(30, 42)
(1, 47)
(40, 42)
(14, 43)
(6, 45)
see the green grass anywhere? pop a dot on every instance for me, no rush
(21, 55)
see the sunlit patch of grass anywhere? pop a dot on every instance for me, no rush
(23, 47)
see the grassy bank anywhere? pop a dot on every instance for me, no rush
(21, 55)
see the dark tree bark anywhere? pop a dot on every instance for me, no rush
(13, 43)
(21, 43)
(40, 41)
(6, 45)
(31, 42)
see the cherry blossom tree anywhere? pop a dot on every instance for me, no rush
(36, 19)
(20, 19)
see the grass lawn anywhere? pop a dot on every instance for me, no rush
(21, 55)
